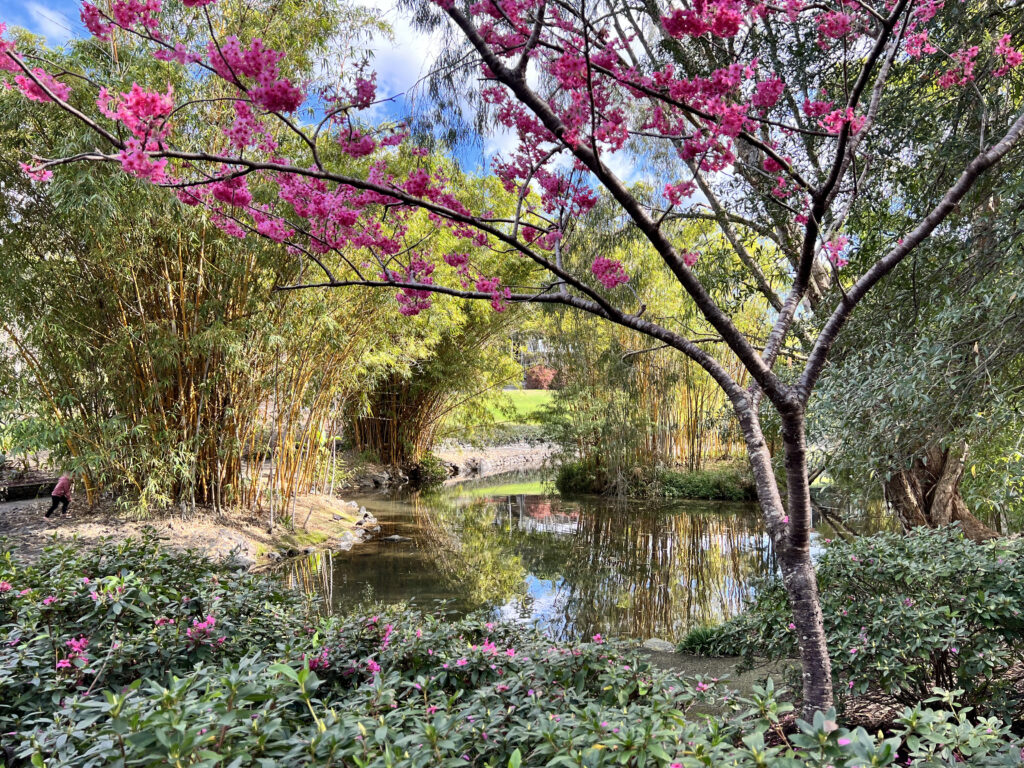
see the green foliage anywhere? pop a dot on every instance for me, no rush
(389, 689)
(904, 615)
(576, 477)
(505, 434)
(430, 471)
(933, 356)
(729, 482)
(523, 406)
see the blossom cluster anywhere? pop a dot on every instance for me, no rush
(202, 632)
(77, 648)
(609, 272)
(604, 99)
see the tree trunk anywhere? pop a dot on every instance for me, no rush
(928, 493)
(791, 536)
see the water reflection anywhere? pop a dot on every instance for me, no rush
(578, 567)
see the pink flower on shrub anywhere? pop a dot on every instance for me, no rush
(201, 632)
(321, 661)
(5, 586)
(49, 600)
(78, 646)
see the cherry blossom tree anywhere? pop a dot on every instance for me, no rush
(766, 116)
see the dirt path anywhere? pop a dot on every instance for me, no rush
(319, 520)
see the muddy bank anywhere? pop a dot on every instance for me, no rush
(319, 522)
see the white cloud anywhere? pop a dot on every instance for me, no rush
(500, 141)
(51, 24)
(401, 62)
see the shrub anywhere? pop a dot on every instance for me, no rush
(371, 689)
(726, 483)
(429, 471)
(576, 477)
(540, 377)
(903, 615)
(731, 482)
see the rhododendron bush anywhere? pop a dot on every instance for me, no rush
(137, 654)
(764, 119)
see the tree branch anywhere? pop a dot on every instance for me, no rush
(887, 263)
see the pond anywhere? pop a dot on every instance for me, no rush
(576, 567)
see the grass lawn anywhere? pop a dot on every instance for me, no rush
(527, 403)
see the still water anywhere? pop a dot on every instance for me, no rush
(576, 567)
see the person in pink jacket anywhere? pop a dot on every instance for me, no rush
(61, 495)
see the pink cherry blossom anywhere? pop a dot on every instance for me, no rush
(835, 251)
(1012, 58)
(609, 272)
(94, 21)
(36, 174)
(37, 91)
(963, 72)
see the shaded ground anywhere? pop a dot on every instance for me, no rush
(318, 519)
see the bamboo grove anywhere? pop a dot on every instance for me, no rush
(149, 352)
(629, 406)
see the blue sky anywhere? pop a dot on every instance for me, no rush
(56, 20)
(399, 63)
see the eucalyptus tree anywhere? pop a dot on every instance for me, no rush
(780, 147)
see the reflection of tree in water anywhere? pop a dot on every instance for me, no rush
(628, 572)
(646, 574)
(579, 566)
(313, 575)
(474, 556)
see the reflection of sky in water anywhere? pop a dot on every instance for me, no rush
(539, 606)
(575, 567)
